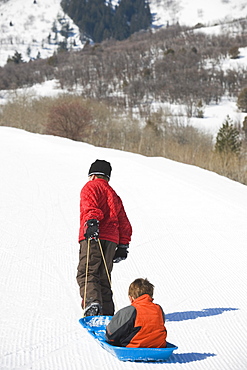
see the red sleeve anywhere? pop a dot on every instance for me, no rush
(125, 229)
(89, 204)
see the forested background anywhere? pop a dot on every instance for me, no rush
(174, 65)
(99, 20)
(110, 89)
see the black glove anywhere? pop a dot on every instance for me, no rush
(92, 229)
(121, 253)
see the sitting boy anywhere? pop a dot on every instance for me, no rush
(142, 324)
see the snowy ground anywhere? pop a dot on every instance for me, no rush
(189, 240)
(26, 25)
(192, 12)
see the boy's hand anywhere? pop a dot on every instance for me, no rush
(92, 229)
(121, 253)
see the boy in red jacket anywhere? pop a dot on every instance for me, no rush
(103, 223)
(142, 324)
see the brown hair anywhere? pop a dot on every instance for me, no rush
(140, 287)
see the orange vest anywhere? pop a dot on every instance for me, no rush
(149, 317)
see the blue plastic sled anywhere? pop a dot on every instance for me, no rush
(96, 326)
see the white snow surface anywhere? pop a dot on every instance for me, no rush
(189, 240)
(25, 24)
(192, 12)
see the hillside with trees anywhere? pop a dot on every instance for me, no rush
(99, 20)
(111, 87)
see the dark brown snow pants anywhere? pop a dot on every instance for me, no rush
(98, 286)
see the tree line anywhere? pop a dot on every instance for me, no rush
(174, 65)
(163, 134)
(119, 80)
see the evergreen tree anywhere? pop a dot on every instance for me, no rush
(98, 20)
(131, 16)
(55, 30)
(228, 138)
(62, 46)
(199, 109)
(121, 29)
(28, 51)
(65, 30)
(16, 58)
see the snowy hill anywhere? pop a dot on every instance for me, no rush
(189, 240)
(28, 26)
(191, 12)
(33, 27)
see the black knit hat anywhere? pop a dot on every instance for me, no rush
(100, 167)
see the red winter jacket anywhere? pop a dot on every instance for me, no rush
(99, 201)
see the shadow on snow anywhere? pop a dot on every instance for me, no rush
(183, 358)
(192, 315)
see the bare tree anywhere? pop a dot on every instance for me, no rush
(69, 119)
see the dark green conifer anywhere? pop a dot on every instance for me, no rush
(98, 20)
(228, 138)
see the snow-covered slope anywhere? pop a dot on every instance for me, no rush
(189, 240)
(192, 12)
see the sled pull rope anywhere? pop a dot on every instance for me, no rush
(107, 272)
(86, 278)
(106, 269)
(103, 257)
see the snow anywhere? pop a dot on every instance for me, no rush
(192, 12)
(189, 240)
(31, 26)
(189, 225)
(215, 115)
